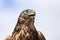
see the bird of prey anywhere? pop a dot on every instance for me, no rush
(25, 29)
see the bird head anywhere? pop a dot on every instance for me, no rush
(30, 13)
(27, 14)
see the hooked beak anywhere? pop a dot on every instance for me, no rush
(32, 13)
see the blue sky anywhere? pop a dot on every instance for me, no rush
(47, 16)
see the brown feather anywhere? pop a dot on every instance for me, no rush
(25, 29)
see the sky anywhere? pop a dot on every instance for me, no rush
(47, 18)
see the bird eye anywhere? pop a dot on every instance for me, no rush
(27, 11)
